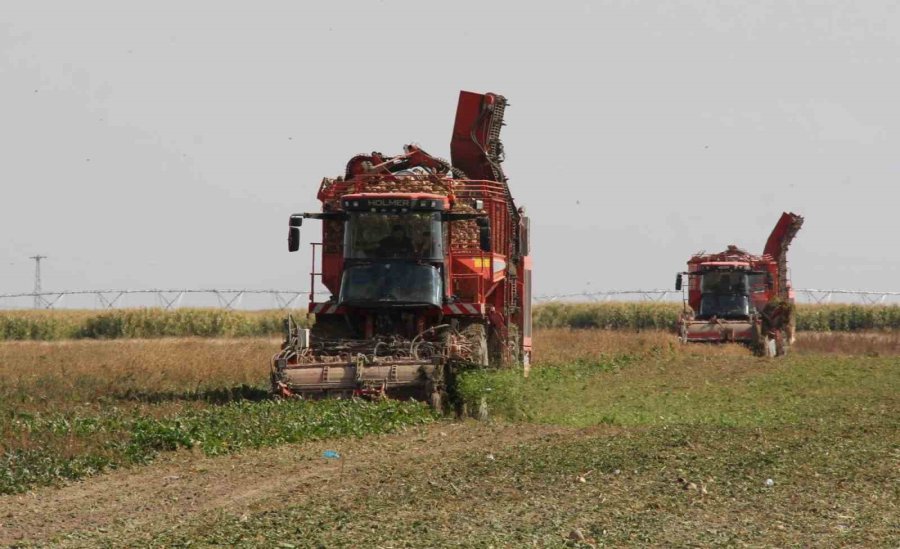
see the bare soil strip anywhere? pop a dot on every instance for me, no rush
(140, 502)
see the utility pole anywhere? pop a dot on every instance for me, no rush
(38, 300)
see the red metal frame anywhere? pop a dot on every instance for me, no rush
(773, 261)
(465, 265)
(312, 273)
(479, 285)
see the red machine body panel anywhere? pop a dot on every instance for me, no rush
(423, 259)
(474, 276)
(475, 147)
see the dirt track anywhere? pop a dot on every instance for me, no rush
(134, 504)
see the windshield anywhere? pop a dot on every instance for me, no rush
(724, 306)
(391, 283)
(414, 235)
(757, 283)
(724, 295)
(724, 282)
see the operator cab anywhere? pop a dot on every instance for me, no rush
(728, 290)
(724, 293)
(393, 250)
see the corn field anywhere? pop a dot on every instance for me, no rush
(647, 316)
(156, 323)
(141, 323)
(610, 316)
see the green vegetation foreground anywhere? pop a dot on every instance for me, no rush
(615, 439)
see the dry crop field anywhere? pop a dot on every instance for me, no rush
(153, 323)
(617, 438)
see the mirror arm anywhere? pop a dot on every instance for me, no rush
(325, 216)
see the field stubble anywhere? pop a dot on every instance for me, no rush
(602, 432)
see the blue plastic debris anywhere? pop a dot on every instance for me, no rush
(331, 454)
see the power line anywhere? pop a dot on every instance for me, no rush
(167, 298)
(289, 299)
(812, 295)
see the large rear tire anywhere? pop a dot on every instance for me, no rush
(435, 390)
(483, 412)
(758, 343)
(763, 344)
(462, 410)
(437, 401)
(475, 335)
(782, 343)
(514, 344)
(771, 347)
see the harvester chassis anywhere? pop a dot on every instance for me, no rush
(329, 362)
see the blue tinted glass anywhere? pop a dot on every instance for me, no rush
(391, 283)
(724, 306)
(411, 235)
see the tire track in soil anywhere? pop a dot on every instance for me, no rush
(131, 504)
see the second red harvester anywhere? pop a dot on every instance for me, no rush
(737, 296)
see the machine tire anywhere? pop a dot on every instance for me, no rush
(462, 410)
(476, 336)
(770, 347)
(514, 345)
(437, 401)
(790, 332)
(497, 351)
(435, 391)
(758, 343)
(781, 343)
(483, 412)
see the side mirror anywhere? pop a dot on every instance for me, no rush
(678, 282)
(294, 224)
(293, 239)
(484, 233)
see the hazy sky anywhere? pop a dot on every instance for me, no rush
(166, 146)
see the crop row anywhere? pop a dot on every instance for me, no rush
(140, 323)
(154, 323)
(662, 316)
(45, 449)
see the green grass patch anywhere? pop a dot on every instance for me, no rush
(673, 388)
(683, 466)
(43, 449)
(510, 395)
